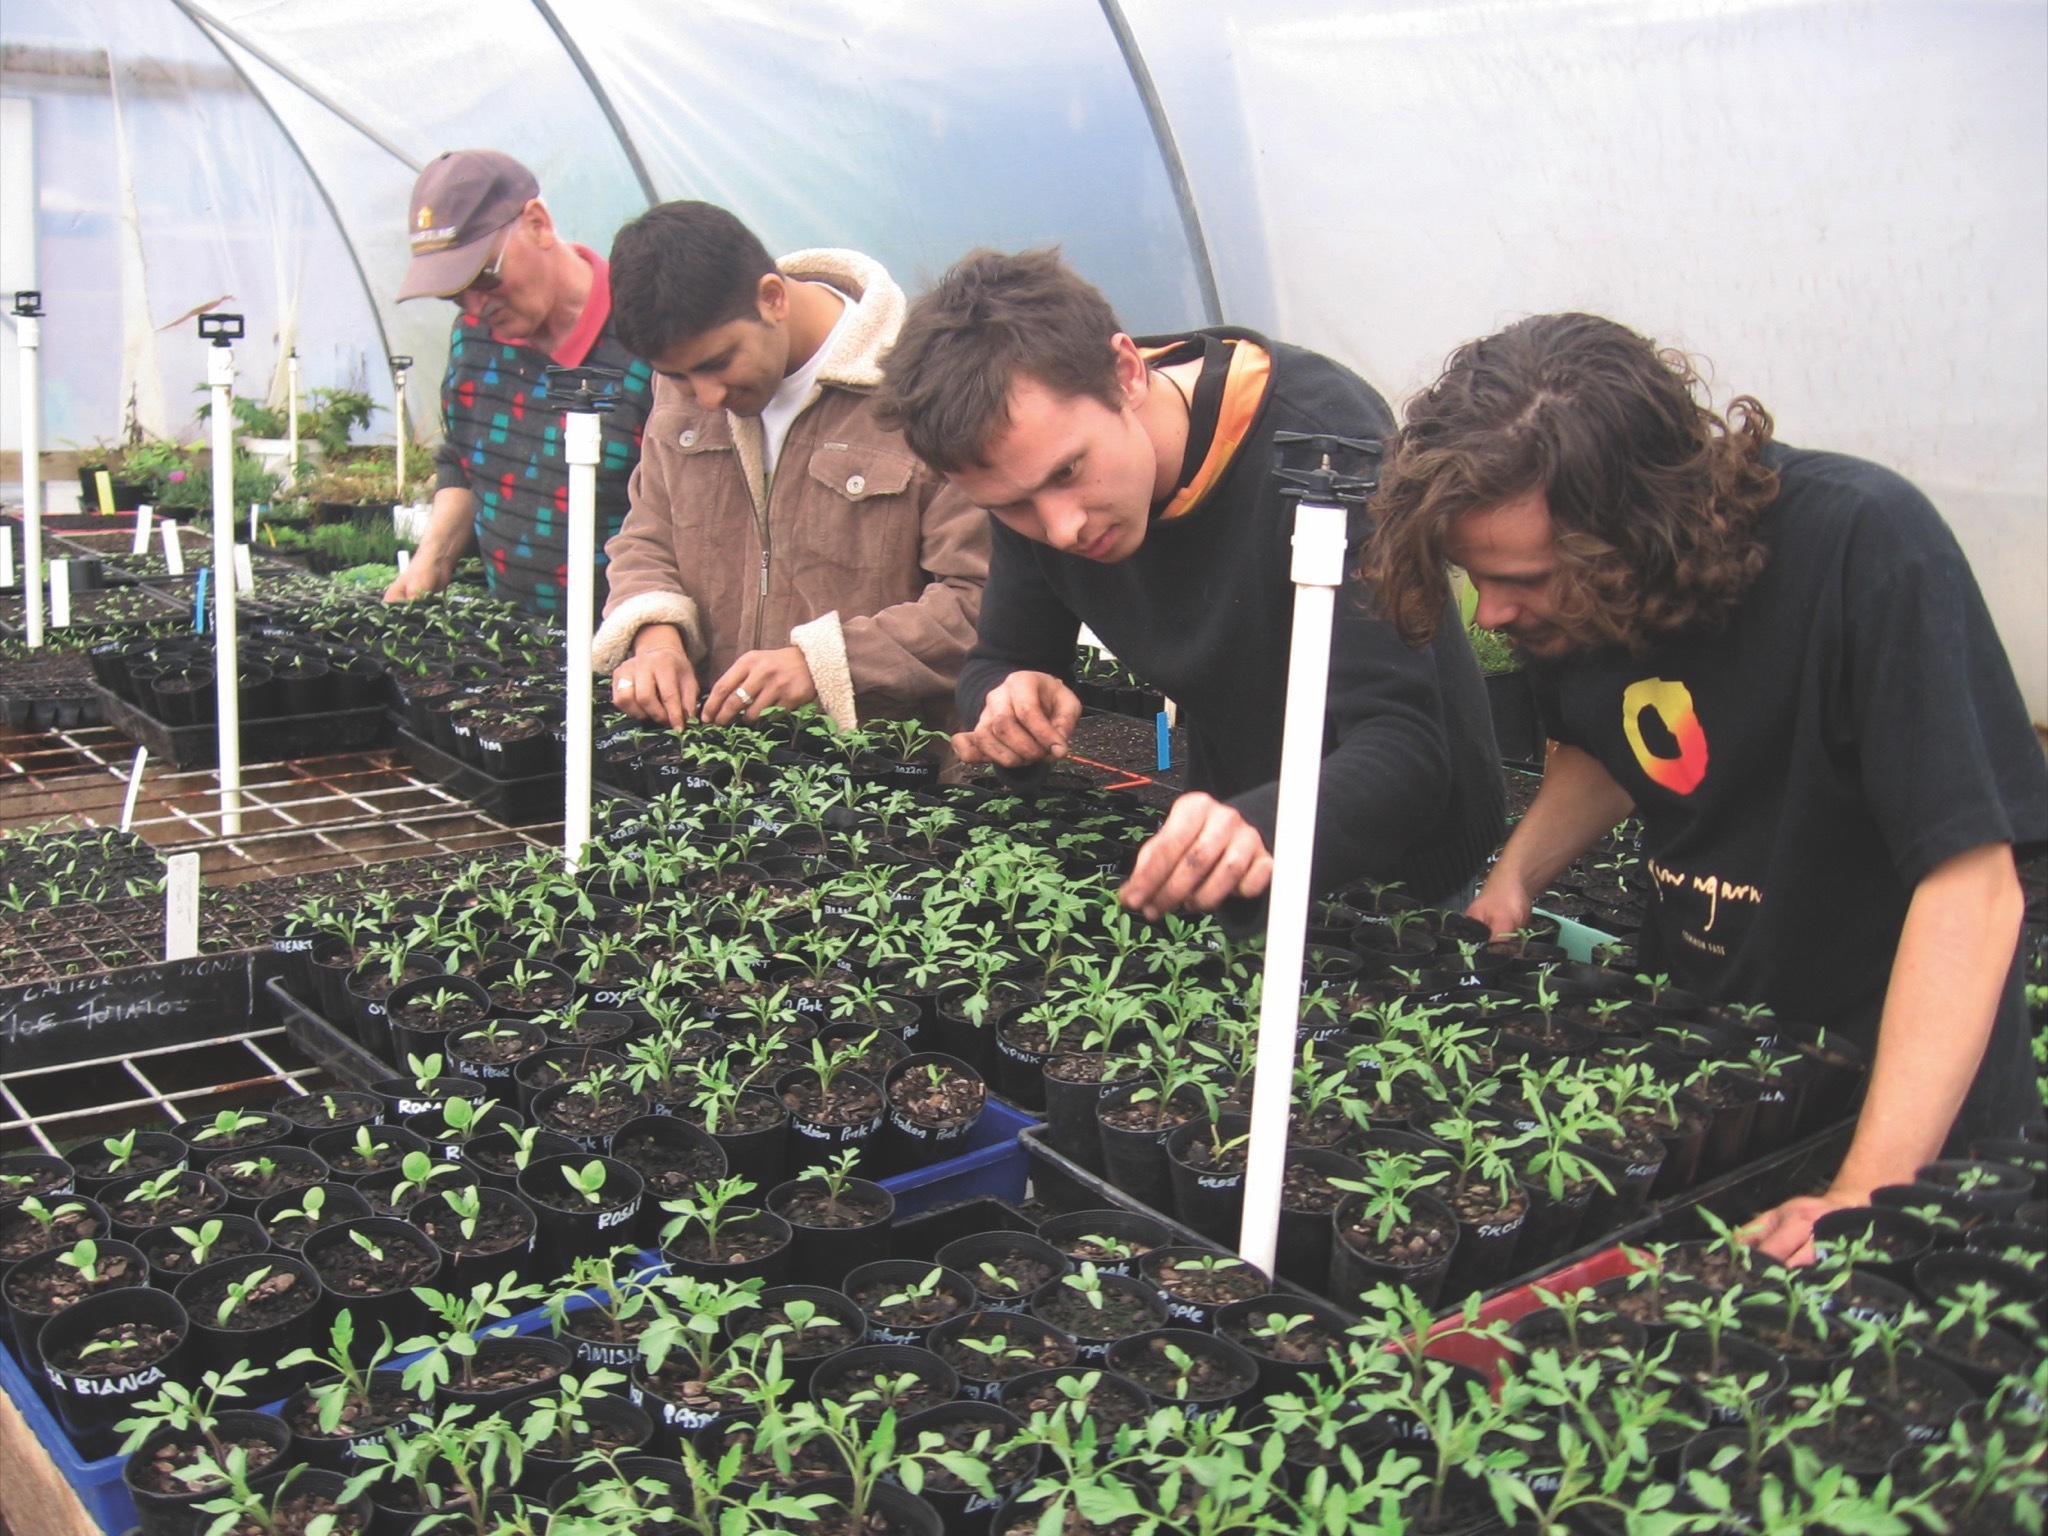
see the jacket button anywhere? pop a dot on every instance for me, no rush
(688, 437)
(855, 484)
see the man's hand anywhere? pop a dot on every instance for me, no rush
(1785, 1232)
(1204, 854)
(759, 680)
(657, 681)
(422, 578)
(1027, 717)
(1502, 905)
(449, 535)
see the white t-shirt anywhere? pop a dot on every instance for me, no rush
(787, 403)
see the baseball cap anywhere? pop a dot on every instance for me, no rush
(460, 202)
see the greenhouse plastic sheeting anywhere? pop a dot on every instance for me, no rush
(1842, 205)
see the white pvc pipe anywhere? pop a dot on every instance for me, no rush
(398, 416)
(28, 339)
(220, 376)
(582, 440)
(1318, 571)
(291, 413)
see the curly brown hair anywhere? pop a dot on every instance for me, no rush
(1654, 498)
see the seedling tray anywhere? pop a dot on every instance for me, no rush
(516, 802)
(48, 693)
(1065, 1185)
(279, 740)
(152, 608)
(991, 1161)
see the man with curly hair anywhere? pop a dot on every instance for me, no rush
(1779, 661)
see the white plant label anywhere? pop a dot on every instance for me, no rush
(245, 571)
(404, 560)
(60, 594)
(134, 788)
(181, 906)
(145, 515)
(174, 552)
(6, 556)
(255, 510)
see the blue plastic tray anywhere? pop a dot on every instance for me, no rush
(994, 1163)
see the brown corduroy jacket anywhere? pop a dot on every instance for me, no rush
(856, 553)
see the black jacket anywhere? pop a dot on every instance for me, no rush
(1411, 783)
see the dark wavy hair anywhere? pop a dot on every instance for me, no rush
(1654, 498)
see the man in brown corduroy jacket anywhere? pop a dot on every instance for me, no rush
(782, 548)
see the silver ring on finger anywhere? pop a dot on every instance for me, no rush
(743, 696)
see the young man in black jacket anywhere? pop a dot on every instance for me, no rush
(1133, 489)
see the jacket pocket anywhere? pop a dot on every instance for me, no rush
(865, 510)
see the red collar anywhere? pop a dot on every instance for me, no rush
(597, 309)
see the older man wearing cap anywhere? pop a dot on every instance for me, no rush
(530, 300)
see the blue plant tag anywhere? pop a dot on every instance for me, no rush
(199, 599)
(1165, 741)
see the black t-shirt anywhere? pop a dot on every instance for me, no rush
(1852, 725)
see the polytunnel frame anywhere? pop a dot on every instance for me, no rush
(216, 31)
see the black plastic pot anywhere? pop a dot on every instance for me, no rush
(1127, 1354)
(1306, 1235)
(339, 1147)
(156, 1151)
(1487, 1248)
(461, 1047)
(625, 1423)
(219, 1347)
(624, 1110)
(830, 1379)
(802, 1356)
(809, 1141)
(889, 1507)
(1070, 1123)
(168, 1255)
(1353, 1273)
(1210, 1202)
(1184, 1311)
(462, 1270)
(316, 1114)
(444, 1141)
(24, 1325)
(961, 1511)
(405, 1096)
(339, 1202)
(90, 1403)
(967, 1254)
(760, 1155)
(1276, 1375)
(569, 1231)
(980, 1378)
(771, 1268)
(177, 1514)
(826, 1255)
(1552, 1227)
(406, 1035)
(275, 1131)
(298, 1163)
(663, 1151)
(1092, 1348)
(1909, 1238)
(890, 1274)
(194, 1187)
(1065, 1234)
(905, 1143)
(1692, 1353)
(1135, 1160)
(399, 1310)
(2003, 1191)
(489, 1157)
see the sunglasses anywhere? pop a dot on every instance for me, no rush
(488, 279)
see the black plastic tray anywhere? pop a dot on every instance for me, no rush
(1065, 1185)
(515, 802)
(320, 1040)
(276, 740)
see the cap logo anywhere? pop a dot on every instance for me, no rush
(426, 218)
